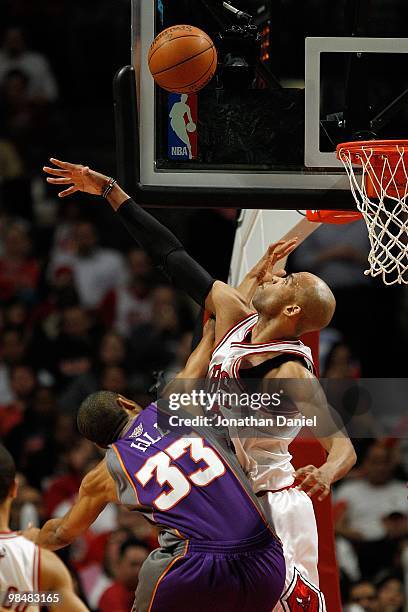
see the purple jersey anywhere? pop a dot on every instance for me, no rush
(190, 484)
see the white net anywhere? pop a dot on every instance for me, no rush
(380, 191)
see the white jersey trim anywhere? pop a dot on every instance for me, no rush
(263, 349)
(37, 568)
(232, 331)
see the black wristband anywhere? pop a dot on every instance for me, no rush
(108, 187)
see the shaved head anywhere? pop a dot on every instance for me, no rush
(316, 301)
(301, 301)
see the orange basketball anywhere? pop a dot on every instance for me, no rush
(182, 59)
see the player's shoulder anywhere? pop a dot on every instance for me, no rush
(221, 292)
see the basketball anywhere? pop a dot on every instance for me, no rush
(182, 59)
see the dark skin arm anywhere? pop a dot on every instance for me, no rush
(306, 392)
(96, 491)
(227, 304)
(98, 488)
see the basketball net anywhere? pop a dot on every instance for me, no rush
(380, 192)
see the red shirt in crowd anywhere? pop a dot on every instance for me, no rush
(17, 276)
(116, 598)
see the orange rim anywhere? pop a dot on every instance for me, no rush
(378, 147)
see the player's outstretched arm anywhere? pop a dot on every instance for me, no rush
(164, 248)
(96, 491)
(56, 578)
(226, 303)
(305, 391)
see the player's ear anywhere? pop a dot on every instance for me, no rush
(292, 310)
(128, 405)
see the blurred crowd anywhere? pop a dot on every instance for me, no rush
(370, 504)
(82, 308)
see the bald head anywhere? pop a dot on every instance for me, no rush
(316, 301)
(301, 301)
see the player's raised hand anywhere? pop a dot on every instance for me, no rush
(75, 177)
(314, 480)
(275, 253)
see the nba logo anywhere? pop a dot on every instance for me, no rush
(182, 141)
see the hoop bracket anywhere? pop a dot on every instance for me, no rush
(335, 217)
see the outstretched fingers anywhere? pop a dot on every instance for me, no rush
(56, 171)
(283, 251)
(62, 164)
(59, 181)
(280, 250)
(67, 192)
(286, 247)
(272, 248)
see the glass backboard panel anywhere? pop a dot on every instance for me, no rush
(303, 77)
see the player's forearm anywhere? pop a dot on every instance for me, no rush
(341, 456)
(249, 284)
(163, 247)
(248, 287)
(117, 197)
(197, 364)
(51, 535)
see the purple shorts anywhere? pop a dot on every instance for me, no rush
(244, 576)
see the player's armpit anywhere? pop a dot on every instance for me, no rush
(56, 578)
(228, 306)
(96, 491)
(306, 392)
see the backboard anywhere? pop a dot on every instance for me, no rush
(293, 82)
